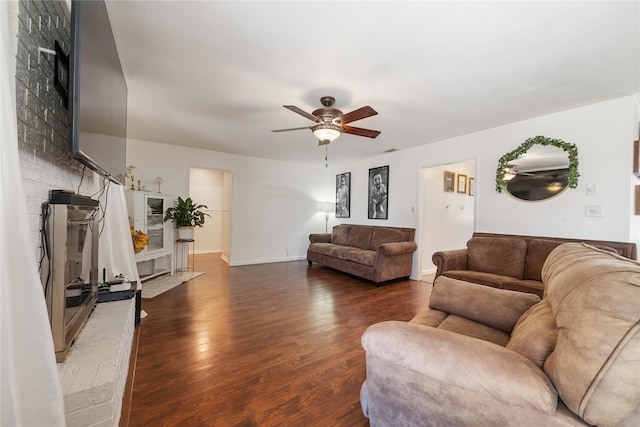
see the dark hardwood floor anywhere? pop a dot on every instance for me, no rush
(261, 345)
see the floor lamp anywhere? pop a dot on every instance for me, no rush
(328, 208)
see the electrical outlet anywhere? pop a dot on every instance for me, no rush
(594, 211)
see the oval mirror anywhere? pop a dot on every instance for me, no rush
(539, 174)
(539, 169)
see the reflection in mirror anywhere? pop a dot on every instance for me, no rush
(538, 169)
(539, 174)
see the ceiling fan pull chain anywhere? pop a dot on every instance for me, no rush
(326, 156)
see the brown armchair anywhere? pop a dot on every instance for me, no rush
(486, 356)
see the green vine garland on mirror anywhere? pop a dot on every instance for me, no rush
(571, 150)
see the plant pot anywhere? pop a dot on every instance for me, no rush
(185, 233)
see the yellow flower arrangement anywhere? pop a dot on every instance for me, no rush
(140, 240)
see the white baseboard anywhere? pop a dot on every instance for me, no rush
(267, 261)
(429, 271)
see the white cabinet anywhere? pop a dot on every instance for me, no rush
(146, 212)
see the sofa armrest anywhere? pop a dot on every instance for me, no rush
(397, 248)
(457, 362)
(320, 238)
(450, 260)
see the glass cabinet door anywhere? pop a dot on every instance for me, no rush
(155, 225)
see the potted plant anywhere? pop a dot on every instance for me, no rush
(186, 215)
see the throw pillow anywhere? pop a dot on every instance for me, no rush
(385, 235)
(497, 255)
(498, 308)
(340, 234)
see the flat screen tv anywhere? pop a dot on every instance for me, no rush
(98, 92)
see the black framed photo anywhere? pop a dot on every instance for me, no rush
(379, 192)
(343, 195)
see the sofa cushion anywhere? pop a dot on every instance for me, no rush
(429, 317)
(320, 248)
(340, 234)
(329, 249)
(360, 236)
(382, 235)
(471, 328)
(595, 297)
(535, 333)
(497, 255)
(361, 256)
(537, 253)
(531, 286)
(497, 308)
(487, 279)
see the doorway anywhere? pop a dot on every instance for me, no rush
(447, 211)
(212, 188)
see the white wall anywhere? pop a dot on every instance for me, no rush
(604, 134)
(273, 205)
(634, 222)
(226, 216)
(206, 186)
(453, 212)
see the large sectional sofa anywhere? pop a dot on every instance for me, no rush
(510, 262)
(482, 356)
(372, 252)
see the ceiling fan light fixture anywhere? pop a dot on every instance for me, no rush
(509, 173)
(326, 132)
(555, 186)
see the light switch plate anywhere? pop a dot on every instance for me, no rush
(591, 189)
(593, 211)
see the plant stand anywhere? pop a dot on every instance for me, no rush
(183, 252)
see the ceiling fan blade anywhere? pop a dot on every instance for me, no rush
(286, 130)
(360, 113)
(302, 112)
(360, 132)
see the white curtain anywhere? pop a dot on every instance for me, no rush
(115, 251)
(30, 392)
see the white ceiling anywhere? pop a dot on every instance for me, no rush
(215, 74)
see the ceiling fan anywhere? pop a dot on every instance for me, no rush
(330, 122)
(512, 170)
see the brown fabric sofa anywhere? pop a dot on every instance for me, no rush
(510, 261)
(481, 356)
(375, 253)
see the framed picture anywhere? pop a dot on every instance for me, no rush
(462, 183)
(472, 186)
(343, 195)
(449, 183)
(378, 192)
